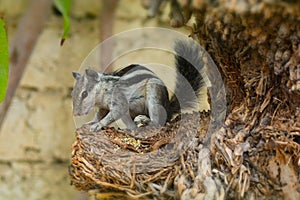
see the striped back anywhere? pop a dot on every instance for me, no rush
(134, 74)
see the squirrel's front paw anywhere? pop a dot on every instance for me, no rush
(96, 127)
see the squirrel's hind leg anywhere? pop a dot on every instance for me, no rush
(128, 122)
(157, 103)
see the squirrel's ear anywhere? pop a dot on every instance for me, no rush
(76, 75)
(93, 74)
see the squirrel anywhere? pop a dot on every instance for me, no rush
(136, 90)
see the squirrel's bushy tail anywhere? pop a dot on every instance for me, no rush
(190, 75)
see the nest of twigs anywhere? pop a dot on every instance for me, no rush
(151, 161)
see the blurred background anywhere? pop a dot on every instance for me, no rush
(38, 131)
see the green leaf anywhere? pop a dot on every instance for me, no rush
(64, 7)
(4, 60)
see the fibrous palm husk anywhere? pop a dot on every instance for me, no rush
(256, 45)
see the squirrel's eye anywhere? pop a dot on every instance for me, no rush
(84, 94)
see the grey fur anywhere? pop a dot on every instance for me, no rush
(122, 97)
(135, 90)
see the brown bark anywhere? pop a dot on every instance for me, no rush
(28, 31)
(107, 19)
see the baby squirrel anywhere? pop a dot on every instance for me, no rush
(135, 90)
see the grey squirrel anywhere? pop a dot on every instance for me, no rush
(136, 90)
